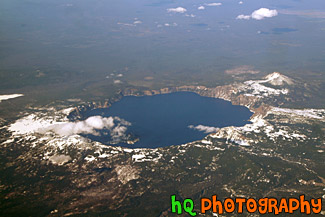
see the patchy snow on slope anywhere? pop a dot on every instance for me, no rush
(233, 134)
(259, 124)
(303, 113)
(257, 89)
(143, 155)
(126, 173)
(240, 142)
(285, 134)
(61, 143)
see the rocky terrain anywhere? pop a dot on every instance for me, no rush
(280, 153)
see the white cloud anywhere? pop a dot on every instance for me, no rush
(137, 22)
(263, 13)
(122, 121)
(259, 14)
(201, 7)
(173, 24)
(241, 2)
(115, 126)
(177, 10)
(213, 4)
(190, 15)
(243, 17)
(88, 126)
(125, 24)
(118, 132)
(205, 129)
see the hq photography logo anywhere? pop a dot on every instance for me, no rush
(266, 205)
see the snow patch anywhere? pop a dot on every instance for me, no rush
(138, 157)
(206, 142)
(60, 159)
(10, 96)
(90, 158)
(126, 173)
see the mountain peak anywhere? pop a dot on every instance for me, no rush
(277, 79)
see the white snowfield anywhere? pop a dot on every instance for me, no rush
(10, 96)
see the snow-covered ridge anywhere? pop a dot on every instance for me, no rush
(10, 96)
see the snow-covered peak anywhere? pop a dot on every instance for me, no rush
(277, 79)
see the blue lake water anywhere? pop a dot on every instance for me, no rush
(164, 120)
